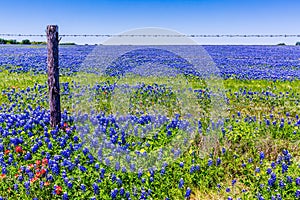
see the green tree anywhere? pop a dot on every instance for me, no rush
(26, 41)
(2, 41)
(298, 43)
(11, 42)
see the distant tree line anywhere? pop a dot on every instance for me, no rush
(26, 41)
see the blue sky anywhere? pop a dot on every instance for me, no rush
(185, 16)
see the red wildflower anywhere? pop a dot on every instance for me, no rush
(45, 161)
(46, 183)
(58, 189)
(6, 151)
(38, 174)
(33, 179)
(43, 171)
(19, 149)
(38, 162)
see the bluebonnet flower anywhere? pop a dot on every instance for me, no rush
(269, 171)
(65, 196)
(281, 184)
(114, 193)
(151, 179)
(297, 181)
(127, 194)
(192, 169)
(97, 166)
(82, 168)
(20, 178)
(70, 184)
(181, 183)
(273, 165)
(273, 197)
(119, 181)
(122, 191)
(49, 146)
(124, 170)
(261, 155)
(228, 189)
(117, 166)
(233, 182)
(162, 171)
(41, 184)
(210, 162)
(218, 162)
(27, 156)
(257, 169)
(223, 150)
(102, 171)
(4, 170)
(289, 179)
(271, 182)
(278, 197)
(188, 192)
(143, 180)
(284, 167)
(181, 164)
(27, 185)
(261, 198)
(16, 187)
(96, 188)
(83, 187)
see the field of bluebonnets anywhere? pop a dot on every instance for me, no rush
(255, 154)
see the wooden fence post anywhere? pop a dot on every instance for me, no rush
(53, 75)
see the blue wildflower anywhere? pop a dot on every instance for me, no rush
(181, 183)
(96, 188)
(188, 192)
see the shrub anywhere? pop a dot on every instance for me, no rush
(26, 41)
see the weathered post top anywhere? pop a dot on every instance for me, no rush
(53, 75)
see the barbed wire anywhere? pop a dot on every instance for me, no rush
(152, 35)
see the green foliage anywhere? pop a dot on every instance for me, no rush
(26, 41)
(67, 43)
(2, 41)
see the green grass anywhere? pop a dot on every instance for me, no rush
(242, 140)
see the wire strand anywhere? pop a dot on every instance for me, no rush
(145, 35)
